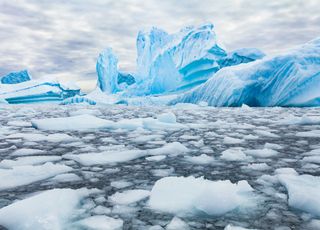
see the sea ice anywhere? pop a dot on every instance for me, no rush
(129, 196)
(101, 222)
(303, 192)
(234, 154)
(23, 175)
(190, 195)
(202, 159)
(52, 209)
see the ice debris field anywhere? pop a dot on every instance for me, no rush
(179, 167)
(198, 137)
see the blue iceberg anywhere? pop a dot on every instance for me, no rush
(170, 63)
(290, 79)
(35, 91)
(16, 77)
(107, 70)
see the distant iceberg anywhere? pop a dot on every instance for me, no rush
(16, 77)
(34, 91)
(290, 79)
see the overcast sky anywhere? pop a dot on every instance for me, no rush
(62, 38)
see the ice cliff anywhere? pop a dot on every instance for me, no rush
(290, 79)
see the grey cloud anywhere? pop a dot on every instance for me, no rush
(64, 38)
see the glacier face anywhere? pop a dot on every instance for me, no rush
(291, 79)
(16, 77)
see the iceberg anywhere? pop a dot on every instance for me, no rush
(169, 63)
(107, 70)
(290, 79)
(16, 77)
(35, 91)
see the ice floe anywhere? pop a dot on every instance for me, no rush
(190, 195)
(27, 174)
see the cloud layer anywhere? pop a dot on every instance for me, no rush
(63, 38)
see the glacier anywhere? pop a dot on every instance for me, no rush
(16, 77)
(170, 63)
(35, 91)
(289, 79)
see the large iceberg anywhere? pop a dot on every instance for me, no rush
(16, 77)
(35, 91)
(170, 63)
(290, 79)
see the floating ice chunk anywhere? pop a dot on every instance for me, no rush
(189, 195)
(101, 210)
(234, 154)
(156, 158)
(288, 171)
(57, 137)
(165, 123)
(304, 120)
(51, 209)
(162, 172)
(129, 196)
(28, 136)
(66, 177)
(263, 153)
(167, 117)
(101, 222)
(25, 151)
(110, 157)
(272, 146)
(250, 137)
(303, 192)
(60, 137)
(177, 224)
(156, 227)
(232, 141)
(174, 148)
(266, 133)
(80, 122)
(312, 133)
(202, 159)
(120, 184)
(19, 123)
(232, 227)
(146, 138)
(86, 121)
(257, 166)
(312, 159)
(30, 160)
(23, 175)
